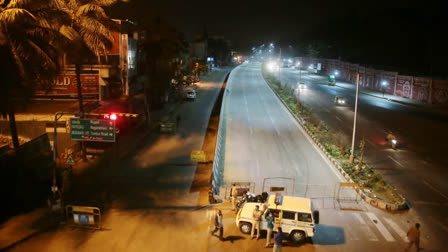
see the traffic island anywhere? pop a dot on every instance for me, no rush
(372, 187)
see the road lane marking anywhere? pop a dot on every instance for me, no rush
(365, 228)
(396, 228)
(360, 219)
(435, 189)
(351, 233)
(379, 225)
(395, 161)
(444, 227)
(419, 202)
(338, 118)
(370, 142)
(310, 140)
(248, 121)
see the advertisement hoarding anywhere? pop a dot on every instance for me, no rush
(66, 85)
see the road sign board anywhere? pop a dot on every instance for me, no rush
(92, 130)
(70, 160)
(197, 156)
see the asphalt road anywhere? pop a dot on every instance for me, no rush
(263, 140)
(417, 169)
(151, 207)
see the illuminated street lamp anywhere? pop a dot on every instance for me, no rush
(336, 72)
(383, 85)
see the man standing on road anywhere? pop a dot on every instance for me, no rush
(219, 225)
(278, 240)
(234, 194)
(414, 237)
(270, 226)
(257, 218)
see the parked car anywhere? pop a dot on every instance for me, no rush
(190, 94)
(294, 215)
(167, 124)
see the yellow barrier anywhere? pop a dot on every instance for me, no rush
(84, 216)
(197, 156)
(349, 184)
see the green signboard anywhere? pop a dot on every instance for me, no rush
(92, 130)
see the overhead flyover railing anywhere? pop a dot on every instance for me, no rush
(218, 161)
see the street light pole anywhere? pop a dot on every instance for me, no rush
(280, 67)
(354, 121)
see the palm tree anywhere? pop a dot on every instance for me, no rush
(90, 34)
(28, 53)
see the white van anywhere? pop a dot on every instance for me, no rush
(294, 215)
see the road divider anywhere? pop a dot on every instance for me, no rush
(363, 192)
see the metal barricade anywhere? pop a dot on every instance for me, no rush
(83, 216)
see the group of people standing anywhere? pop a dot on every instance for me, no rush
(278, 237)
(413, 233)
(257, 214)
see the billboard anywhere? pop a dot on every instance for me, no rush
(65, 85)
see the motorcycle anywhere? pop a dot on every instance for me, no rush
(393, 141)
(250, 197)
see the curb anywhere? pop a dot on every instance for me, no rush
(373, 202)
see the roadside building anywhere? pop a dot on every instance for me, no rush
(114, 74)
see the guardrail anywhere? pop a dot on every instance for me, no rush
(218, 161)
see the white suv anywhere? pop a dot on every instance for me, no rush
(293, 214)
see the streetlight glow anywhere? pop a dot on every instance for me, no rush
(383, 85)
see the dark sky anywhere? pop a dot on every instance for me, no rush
(368, 32)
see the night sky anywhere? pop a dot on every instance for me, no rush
(409, 39)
